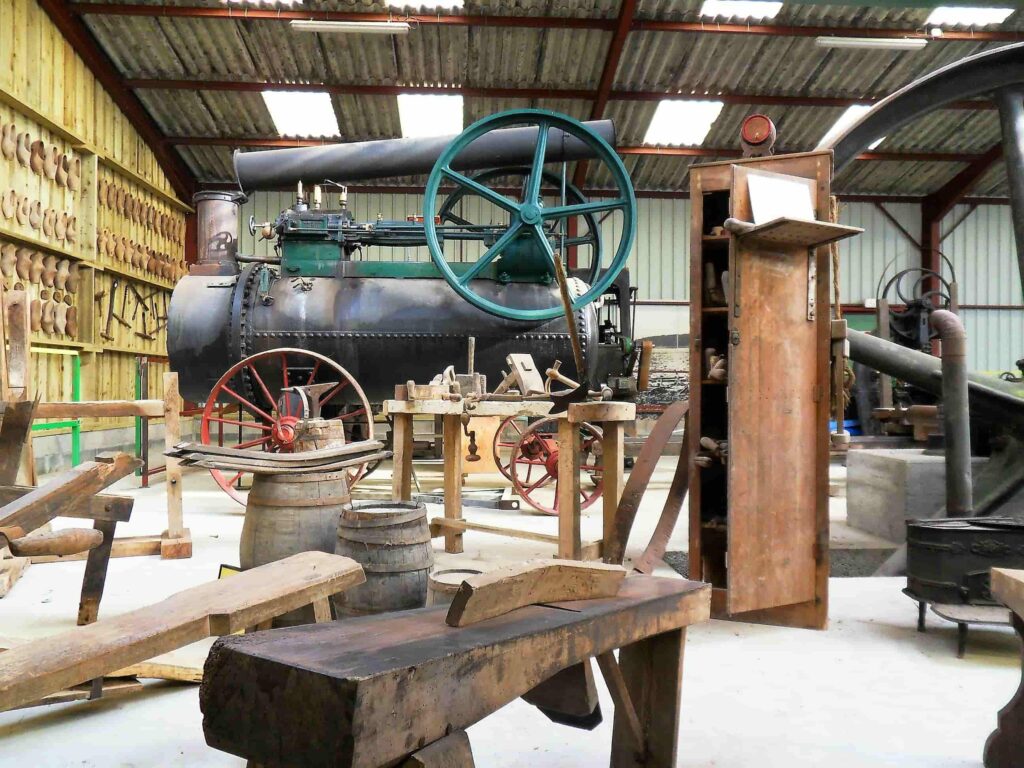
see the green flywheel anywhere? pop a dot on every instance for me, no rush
(529, 216)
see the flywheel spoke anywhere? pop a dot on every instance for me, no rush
(485, 192)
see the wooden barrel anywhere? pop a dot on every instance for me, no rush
(391, 539)
(442, 585)
(311, 434)
(288, 514)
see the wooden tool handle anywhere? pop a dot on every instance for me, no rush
(69, 541)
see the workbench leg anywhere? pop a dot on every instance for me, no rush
(176, 541)
(452, 480)
(567, 493)
(653, 673)
(1005, 745)
(96, 573)
(452, 751)
(401, 438)
(612, 462)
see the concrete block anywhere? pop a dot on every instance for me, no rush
(886, 487)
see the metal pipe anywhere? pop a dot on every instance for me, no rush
(217, 217)
(1011, 117)
(994, 397)
(956, 421)
(363, 160)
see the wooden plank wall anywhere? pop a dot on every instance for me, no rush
(129, 226)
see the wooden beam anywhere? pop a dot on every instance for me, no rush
(77, 33)
(543, 581)
(32, 670)
(539, 22)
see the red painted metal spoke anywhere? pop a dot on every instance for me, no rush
(245, 402)
(252, 443)
(332, 393)
(312, 374)
(357, 412)
(591, 467)
(583, 493)
(545, 479)
(263, 387)
(249, 424)
(235, 479)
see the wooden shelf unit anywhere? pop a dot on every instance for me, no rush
(759, 524)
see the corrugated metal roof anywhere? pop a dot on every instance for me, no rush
(257, 50)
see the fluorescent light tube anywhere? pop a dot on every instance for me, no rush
(352, 27)
(885, 43)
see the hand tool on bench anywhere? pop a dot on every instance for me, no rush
(370, 691)
(562, 400)
(31, 671)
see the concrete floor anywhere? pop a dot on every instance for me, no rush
(870, 691)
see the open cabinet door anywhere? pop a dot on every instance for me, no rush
(774, 426)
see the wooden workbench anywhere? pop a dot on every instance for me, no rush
(609, 417)
(368, 691)
(1005, 745)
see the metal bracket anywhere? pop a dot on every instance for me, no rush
(812, 284)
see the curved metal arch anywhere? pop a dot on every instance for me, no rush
(974, 76)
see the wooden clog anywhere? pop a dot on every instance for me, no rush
(72, 229)
(8, 257)
(49, 219)
(74, 277)
(119, 203)
(63, 270)
(121, 248)
(111, 196)
(51, 162)
(61, 316)
(35, 215)
(49, 313)
(9, 204)
(23, 263)
(74, 173)
(37, 159)
(72, 319)
(63, 165)
(9, 141)
(23, 151)
(35, 313)
(61, 226)
(35, 268)
(49, 270)
(23, 209)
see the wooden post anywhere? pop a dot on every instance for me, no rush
(401, 478)
(176, 542)
(567, 495)
(452, 438)
(653, 672)
(612, 473)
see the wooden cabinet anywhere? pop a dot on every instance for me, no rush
(759, 519)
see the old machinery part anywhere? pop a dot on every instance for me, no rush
(265, 403)
(757, 136)
(217, 221)
(365, 160)
(505, 439)
(956, 417)
(534, 465)
(996, 74)
(513, 178)
(908, 315)
(527, 246)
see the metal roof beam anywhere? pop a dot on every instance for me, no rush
(85, 45)
(581, 94)
(536, 22)
(278, 142)
(936, 205)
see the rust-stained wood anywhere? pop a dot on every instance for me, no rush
(401, 474)
(543, 581)
(171, 412)
(367, 691)
(100, 506)
(774, 385)
(714, 407)
(66, 541)
(29, 672)
(452, 443)
(41, 505)
(100, 409)
(15, 433)
(624, 709)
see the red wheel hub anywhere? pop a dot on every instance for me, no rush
(283, 432)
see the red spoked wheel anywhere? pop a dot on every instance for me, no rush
(263, 388)
(505, 440)
(534, 465)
